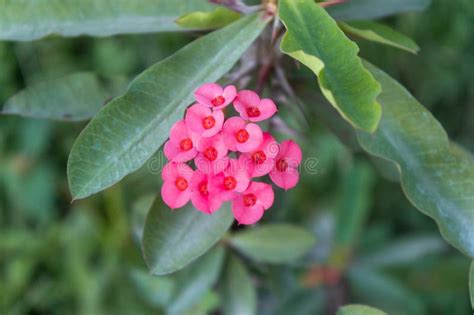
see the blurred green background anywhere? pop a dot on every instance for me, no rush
(373, 246)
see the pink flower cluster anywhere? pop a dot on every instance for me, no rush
(206, 137)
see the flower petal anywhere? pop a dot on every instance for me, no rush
(264, 193)
(267, 109)
(194, 116)
(178, 132)
(245, 99)
(285, 180)
(291, 151)
(246, 215)
(254, 140)
(219, 119)
(207, 92)
(173, 197)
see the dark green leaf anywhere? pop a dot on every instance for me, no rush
(123, 135)
(371, 9)
(75, 97)
(314, 39)
(380, 33)
(359, 310)
(438, 180)
(471, 283)
(218, 18)
(238, 293)
(273, 243)
(173, 239)
(29, 20)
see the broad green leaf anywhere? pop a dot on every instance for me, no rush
(471, 283)
(28, 20)
(355, 309)
(380, 33)
(371, 9)
(238, 293)
(123, 135)
(314, 39)
(273, 243)
(76, 97)
(218, 18)
(195, 281)
(438, 180)
(173, 239)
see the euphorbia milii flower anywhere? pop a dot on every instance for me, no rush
(181, 147)
(250, 107)
(176, 190)
(240, 136)
(285, 172)
(248, 207)
(203, 121)
(235, 179)
(260, 161)
(212, 156)
(201, 198)
(214, 96)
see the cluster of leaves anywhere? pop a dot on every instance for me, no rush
(370, 108)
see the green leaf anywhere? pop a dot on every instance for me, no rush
(62, 99)
(314, 39)
(28, 20)
(471, 283)
(359, 310)
(238, 293)
(218, 18)
(194, 281)
(380, 33)
(273, 243)
(371, 9)
(438, 180)
(173, 239)
(123, 135)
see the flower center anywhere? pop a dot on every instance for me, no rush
(219, 100)
(208, 122)
(186, 144)
(281, 165)
(210, 153)
(253, 111)
(242, 135)
(181, 183)
(203, 188)
(250, 200)
(230, 182)
(259, 157)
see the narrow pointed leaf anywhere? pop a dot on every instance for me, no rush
(371, 9)
(173, 239)
(123, 135)
(26, 20)
(471, 284)
(436, 178)
(314, 39)
(380, 33)
(274, 243)
(62, 99)
(200, 20)
(359, 310)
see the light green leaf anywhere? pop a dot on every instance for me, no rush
(173, 239)
(238, 293)
(28, 20)
(471, 284)
(355, 309)
(380, 33)
(123, 135)
(314, 39)
(273, 243)
(439, 181)
(218, 18)
(75, 97)
(371, 9)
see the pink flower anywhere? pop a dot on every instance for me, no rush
(240, 136)
(285, 173)
(201, 198)
(203, 121)
(212, 95)
(250, 107)
(181, 147)
(261, 161)
(212, 157)
(234, 180)
(176, 190)
(248, 208)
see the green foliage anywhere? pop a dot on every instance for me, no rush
(471, 284)
(217, 18)
(125, 134)
(343, 80)
(359, 310)
(380, 33)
